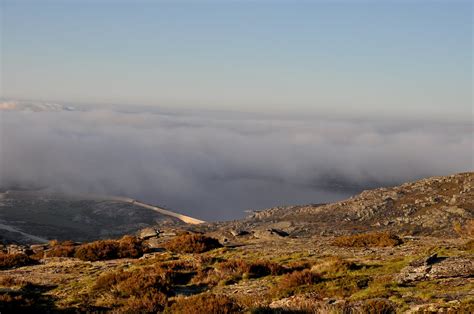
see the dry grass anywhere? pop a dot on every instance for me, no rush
(334, 266)
(204, 303)
(374, 239)
(192, 243)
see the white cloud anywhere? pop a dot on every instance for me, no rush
(215, 165)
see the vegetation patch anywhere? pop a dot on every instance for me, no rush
(126, 247)
(204, 303)
(8, 261)
(296, 279)
(192, 243)
(140, 291)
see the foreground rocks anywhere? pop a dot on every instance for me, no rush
(435, 267)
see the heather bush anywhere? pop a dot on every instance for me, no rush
(374, 239)
(192, 243)
(15, 260)
(298, 278)
(127, 247)
(60, 249)
(139, 291)
(377, 306)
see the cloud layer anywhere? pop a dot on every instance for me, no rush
(215, 165)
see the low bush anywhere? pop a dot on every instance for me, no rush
(299, 278)
(127, 247)
(204, 303)
(255, 269)
(60, 249)
(374, 239)
(377, 306)
(8, 261)
(192, 243)
(140, 291)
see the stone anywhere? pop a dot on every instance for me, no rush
(148, 233)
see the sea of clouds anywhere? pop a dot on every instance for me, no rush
(215, 165)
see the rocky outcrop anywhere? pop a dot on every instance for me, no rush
(432, 206)
(435, 267)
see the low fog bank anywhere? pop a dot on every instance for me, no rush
(214, 166)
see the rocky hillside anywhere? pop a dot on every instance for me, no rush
(406, 249)
(30, 217)
(437, 206)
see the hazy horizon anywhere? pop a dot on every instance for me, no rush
(212, 108)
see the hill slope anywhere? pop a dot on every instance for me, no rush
(27, 216)
(434, 206)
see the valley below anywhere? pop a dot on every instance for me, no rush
(402, 249)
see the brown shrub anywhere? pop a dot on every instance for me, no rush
(256, 269)
(140, 291)
(98, 250)
(378, 306)
(130, 247)
(150, 302)
(374, 239)
(60, 249)
(204, 303)
(127, 247)
(192, 243)
(299, 278)
(15, 260)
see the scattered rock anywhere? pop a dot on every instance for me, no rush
(148, 233)
(435, 267)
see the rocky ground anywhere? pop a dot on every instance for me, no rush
(415, 255)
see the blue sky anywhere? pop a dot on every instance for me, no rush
(396, 58)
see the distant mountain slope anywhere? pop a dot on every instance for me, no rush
(440, 206)
(24, 216)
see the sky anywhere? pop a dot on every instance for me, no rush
(378, 58)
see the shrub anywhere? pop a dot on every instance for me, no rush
(192, 243)
(204, 303)
(98, 250)
(150, 302)
(374, 239)
(378, 306)
(127, 247)
(256, 269)
(299, 278)
(60, 249)
(130, 247)
(15, 260)
(139, 291)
